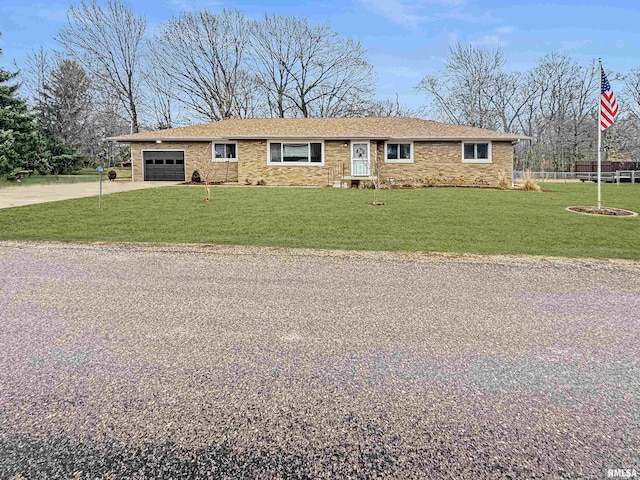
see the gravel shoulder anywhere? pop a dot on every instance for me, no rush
(159, 361)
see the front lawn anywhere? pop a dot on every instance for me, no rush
(49, 179)
(438, 220)
(84, 175)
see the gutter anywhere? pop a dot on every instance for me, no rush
(298, 137)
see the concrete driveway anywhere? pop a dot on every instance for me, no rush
(225, 362)
(16, 196)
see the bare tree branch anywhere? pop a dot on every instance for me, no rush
(204, 55)
(108, 42)
(309, 71)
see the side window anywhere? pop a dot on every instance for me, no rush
(476, 152)
(398, 152)
(225, 151)
(275, 152)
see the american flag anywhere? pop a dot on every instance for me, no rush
(608, 104)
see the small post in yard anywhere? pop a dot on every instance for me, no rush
(100, 170)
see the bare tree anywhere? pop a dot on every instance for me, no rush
(271, 54)
(564, 121)
(249, 99)
(37, 69)
(203, 54)
(463, 93)
(330, 74)
(108, 42)
(98, 114)
(583, 112)
(389, 107)
(309, 71)
(554, 103)
(108, 120)
(632, 92)
(510, 97)
(160, 99)
(377, 168)
(207, 171)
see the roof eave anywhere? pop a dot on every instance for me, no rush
(307, 137)
(162, 139)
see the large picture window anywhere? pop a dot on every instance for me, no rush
(398, 152)
(476, 152)
(225, 152)
(295, 153)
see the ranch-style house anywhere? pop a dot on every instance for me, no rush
(324, 151)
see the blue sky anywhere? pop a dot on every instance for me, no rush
(405, 39)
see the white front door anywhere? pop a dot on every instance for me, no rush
(359, 159)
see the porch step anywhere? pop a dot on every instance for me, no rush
(351, 177)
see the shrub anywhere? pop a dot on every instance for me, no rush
(431, 181)
(14, 175)
(112, 175)
(529, 182)
(195, 177)
(503, 180)
(261, 182)
(459, 180)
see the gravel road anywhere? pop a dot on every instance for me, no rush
(223, 362)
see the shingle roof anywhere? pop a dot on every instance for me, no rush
(373, 128)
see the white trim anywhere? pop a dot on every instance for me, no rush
(224, 160)
(133, 172)
(184, 157)
(399, 160)
(476, 160)
(295, 164)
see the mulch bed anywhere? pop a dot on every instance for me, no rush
(608, 211)
(201, 183)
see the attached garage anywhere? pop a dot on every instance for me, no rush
(163, 165)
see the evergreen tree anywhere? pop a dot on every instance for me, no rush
(21, 145)
(64, 110)
(67, 98)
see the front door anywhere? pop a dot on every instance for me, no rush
(359, 159)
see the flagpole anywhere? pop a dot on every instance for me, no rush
(599, 130)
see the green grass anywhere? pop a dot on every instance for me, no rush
(84, 175)
(439, 220)
(49, 179)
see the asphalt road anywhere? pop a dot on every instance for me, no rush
(194, 362)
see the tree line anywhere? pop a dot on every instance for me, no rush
(555, 103)
(205, 66)
(29, 140)
(110, 76)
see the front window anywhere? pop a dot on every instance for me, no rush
(295, 153)
(398, 152)
(476, 152)
(224, 152)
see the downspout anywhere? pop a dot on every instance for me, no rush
(513, 179)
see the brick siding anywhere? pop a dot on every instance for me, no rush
(193, 151)
(434, 162)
